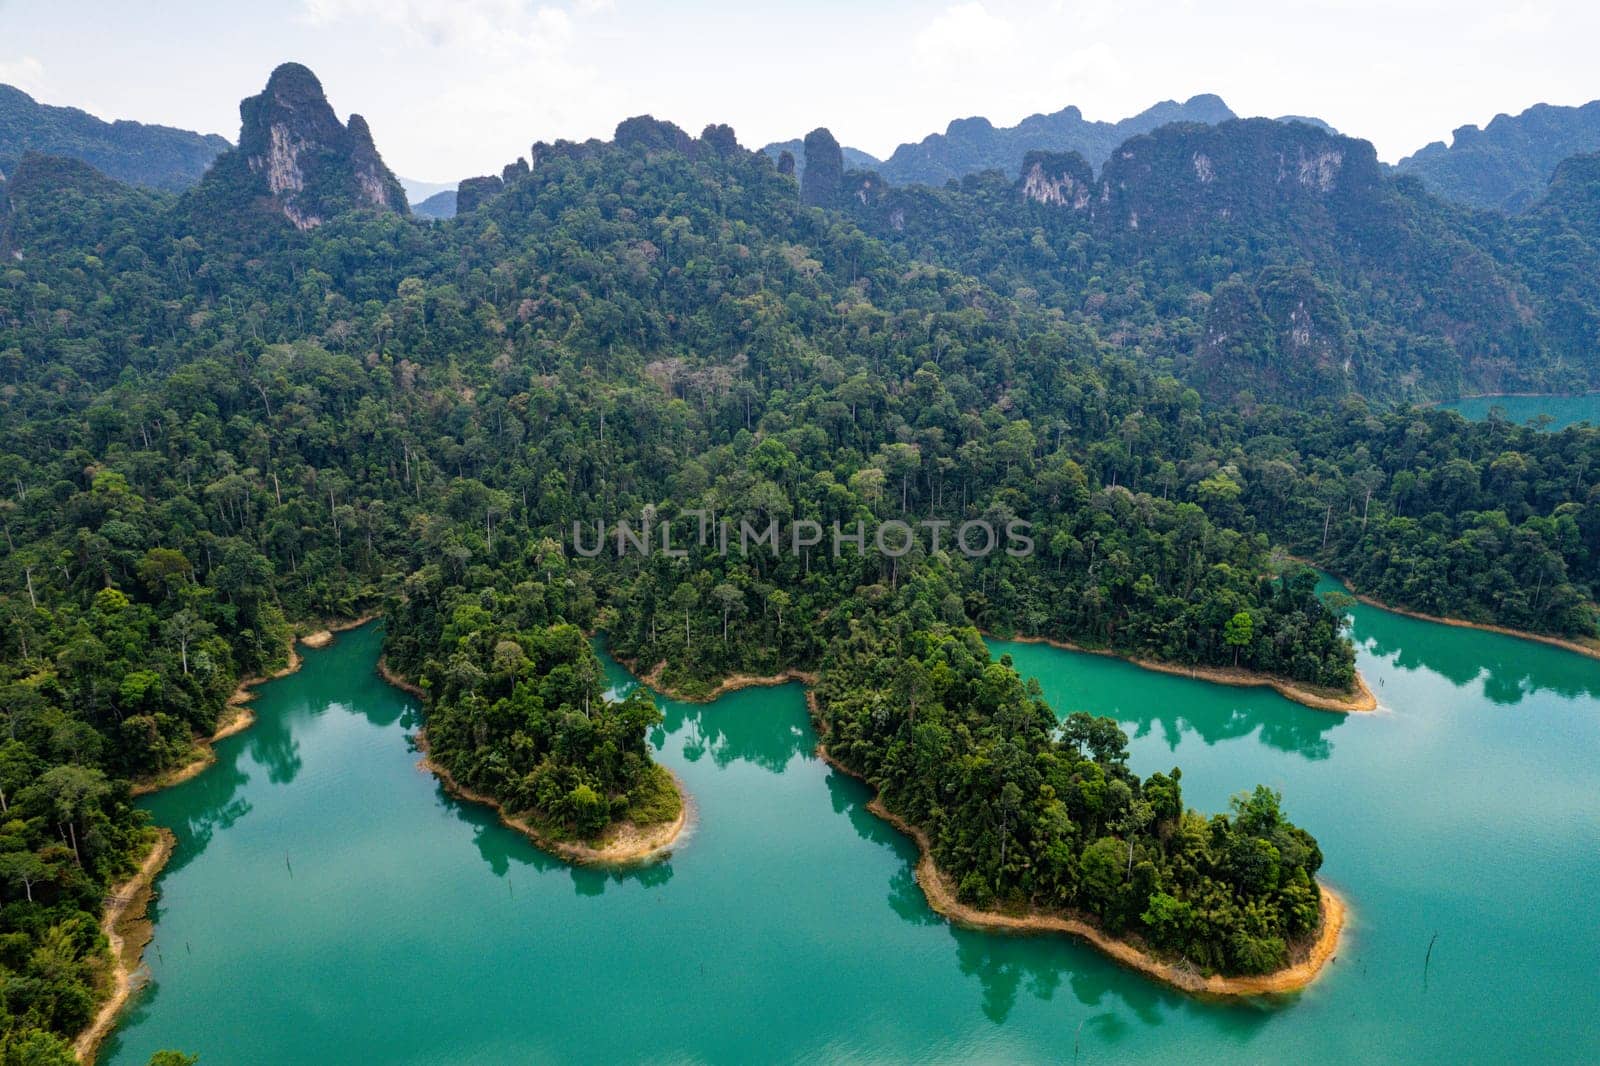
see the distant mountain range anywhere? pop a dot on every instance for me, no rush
(154, 157)
(1508, 164)
(157, 157)
(418, 191)
(1505, 166)
(854, 158)
(971, 145)
(1255, 257)
(439, 205)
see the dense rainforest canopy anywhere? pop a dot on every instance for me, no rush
(218, 424)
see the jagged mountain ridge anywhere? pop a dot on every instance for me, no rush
(1260, 257)
(157, 157)
(970, 145)
(1506, 165)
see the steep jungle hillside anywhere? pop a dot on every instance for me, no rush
(1261, 259)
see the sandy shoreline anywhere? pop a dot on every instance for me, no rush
(1566, 644)
(1360, 701)
(1590, 648)
(389, 675)
(731, 683)
(128, 900)
(237, 715)
(324, 636)
(1518, 395)
(942, 898)
(626, 844)
(127, 931)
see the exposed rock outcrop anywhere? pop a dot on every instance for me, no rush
(1061, 179)
(298, 160)
(1185, 176)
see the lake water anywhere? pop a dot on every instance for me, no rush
(1564, 410)
(328, 903)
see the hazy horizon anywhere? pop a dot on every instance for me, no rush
(456, 89)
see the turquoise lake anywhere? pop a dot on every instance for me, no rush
(1563, 411)
(328, 903)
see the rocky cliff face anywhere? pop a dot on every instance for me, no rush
(299, 160)
(1182, 177)
(1060, 179)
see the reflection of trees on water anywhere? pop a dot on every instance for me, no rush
(766, 727)
(142, 1006)
(272, 744)
(1006, 966)
(1286, 727)
(1143, 701)
(199, 808)
(1511, 669)
(906, 898)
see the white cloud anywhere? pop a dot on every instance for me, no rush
(964, 34)
(26, 73)
(487, 27)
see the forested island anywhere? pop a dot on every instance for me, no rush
(240, 409)
(520, 720)
(1029, 816)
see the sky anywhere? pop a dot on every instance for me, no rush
(454, 88)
